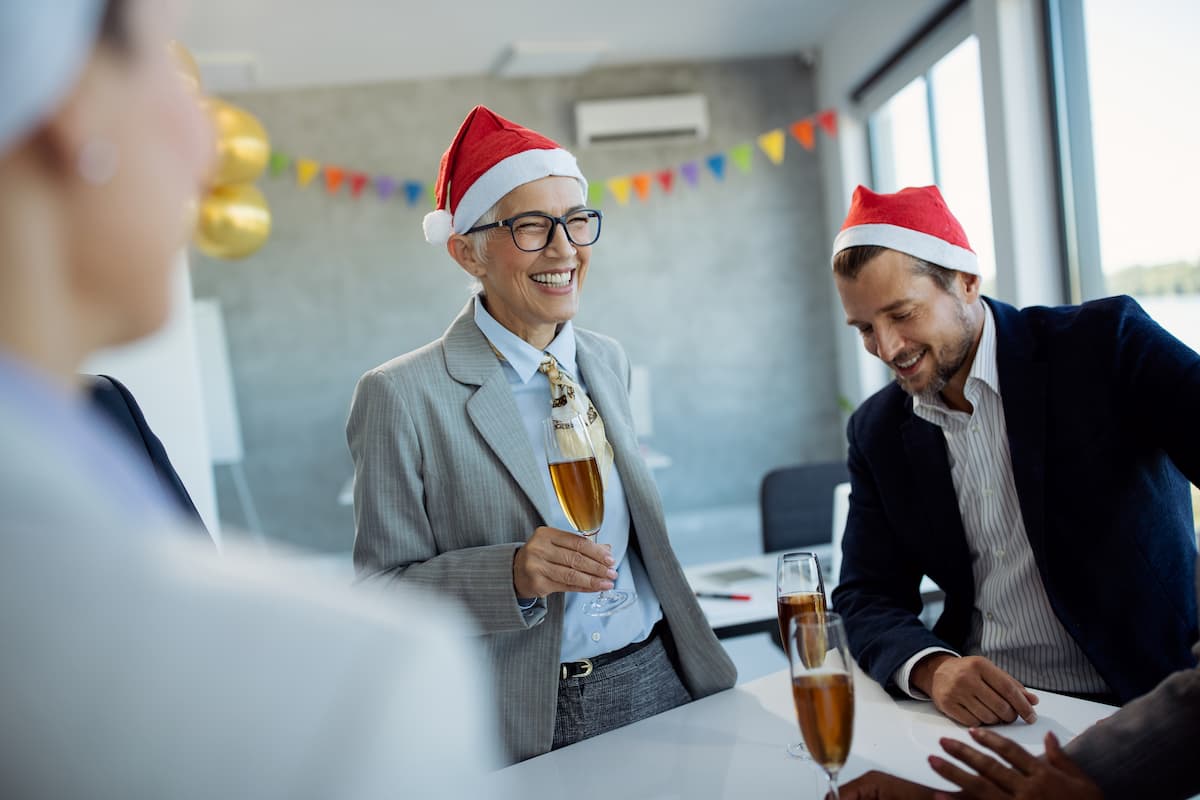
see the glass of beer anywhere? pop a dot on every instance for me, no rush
(575, 473)
(822, 689)
(798, 590)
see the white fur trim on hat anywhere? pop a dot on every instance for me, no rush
(905, 240)
(437, 226)
(516, 170)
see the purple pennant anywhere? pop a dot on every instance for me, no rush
(385, 186)
(690, 172)
(413, 191)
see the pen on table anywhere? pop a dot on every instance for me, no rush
(723, 596)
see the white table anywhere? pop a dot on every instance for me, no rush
(731, 745)
(759, 613)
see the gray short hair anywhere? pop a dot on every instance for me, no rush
(479, 241)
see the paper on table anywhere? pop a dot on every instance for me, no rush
(734, 575)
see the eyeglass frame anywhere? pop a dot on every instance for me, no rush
(554, 223)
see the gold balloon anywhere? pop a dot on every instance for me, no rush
(186, 64)
(242, 145)
(233, 221)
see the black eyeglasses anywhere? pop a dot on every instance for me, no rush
(534, 231)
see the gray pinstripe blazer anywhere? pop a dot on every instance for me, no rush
(447, 489)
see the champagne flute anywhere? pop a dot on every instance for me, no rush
(822, 689)
(798, 590)
(575, 473)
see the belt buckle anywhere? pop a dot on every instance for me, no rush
(577, 669)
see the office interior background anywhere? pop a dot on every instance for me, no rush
(1059, 130)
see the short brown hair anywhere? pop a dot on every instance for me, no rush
(849, 262)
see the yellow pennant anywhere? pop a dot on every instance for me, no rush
(306, 170)
(772, 144)
(620, 189)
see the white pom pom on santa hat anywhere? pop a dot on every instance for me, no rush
(437, 226)
(489, 157)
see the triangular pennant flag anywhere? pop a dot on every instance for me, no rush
(432, 192)
(690, 172)
(641, 185)
(828, 121)
(279, 162)
(743, 156)
(358, 182)
(595, 194)
(772, 143)
(717, 165)
(306, 170)
(333, 178)
(803, 131)
(412, 192)
(620, 189)
(385, 186)
(665, 178)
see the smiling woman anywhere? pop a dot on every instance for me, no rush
(452, 492)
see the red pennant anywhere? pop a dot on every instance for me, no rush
(665, 179)
(803, 131)
(358, 182)
(828, 121)
(333, 179)
(641, 185)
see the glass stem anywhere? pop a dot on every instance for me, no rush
(833, 785)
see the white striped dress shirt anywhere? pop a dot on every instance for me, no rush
(1013, 624)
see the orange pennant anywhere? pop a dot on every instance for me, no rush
(665, 178)
(306, 170)
(358, 182)
(619, 187)
(641, 185)
(828, 121)
(803, 131)
(333, 178)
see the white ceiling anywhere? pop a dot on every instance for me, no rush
(270, 44)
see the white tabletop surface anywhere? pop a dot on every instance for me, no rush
(731, 745)
(758, 581)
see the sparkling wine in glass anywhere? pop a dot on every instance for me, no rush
(798, 590)
(575, 473)
(822, 689)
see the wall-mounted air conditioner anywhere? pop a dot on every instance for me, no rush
(677, 117)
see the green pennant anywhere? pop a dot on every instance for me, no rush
(742, 156)
(595, 194)
(433, 195)
(279, 162)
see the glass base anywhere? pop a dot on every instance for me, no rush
(609, 602)
(798, 750)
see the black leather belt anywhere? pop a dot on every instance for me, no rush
(583, 668)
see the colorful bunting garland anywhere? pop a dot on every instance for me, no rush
(772, 143)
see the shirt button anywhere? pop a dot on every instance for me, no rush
(987, 492)
(974, 429)
(596, 636)
(990, 616)
(1000, 552)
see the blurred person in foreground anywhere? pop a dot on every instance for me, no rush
(136, 663)
(1031, 461)
(1146, 749)
(452, 491)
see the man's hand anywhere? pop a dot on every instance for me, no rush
(1052, 777)
(972, 690)
(557, 561)
(876, 785)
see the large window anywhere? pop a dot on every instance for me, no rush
(932, 131)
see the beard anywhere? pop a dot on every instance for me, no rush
(948, 359)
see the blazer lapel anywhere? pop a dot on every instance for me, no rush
(1023, 392)
(925, 448)
(492, 409)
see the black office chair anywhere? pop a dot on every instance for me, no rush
(797, 504)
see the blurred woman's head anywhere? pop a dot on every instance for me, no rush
(98, 174)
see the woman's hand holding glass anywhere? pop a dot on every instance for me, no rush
(554, 560)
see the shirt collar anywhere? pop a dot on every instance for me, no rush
(984, 372)
(523, 357)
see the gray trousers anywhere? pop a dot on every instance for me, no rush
(636, 686)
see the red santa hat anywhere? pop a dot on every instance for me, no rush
(915, 221)
(488, 158)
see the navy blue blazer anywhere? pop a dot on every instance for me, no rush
(117, 404)
(1103, 414)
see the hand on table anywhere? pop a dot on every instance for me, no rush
(1024, 776)
(972, 690)
(558, 561)
(875, 785)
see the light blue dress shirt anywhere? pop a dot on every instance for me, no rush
(583, 636)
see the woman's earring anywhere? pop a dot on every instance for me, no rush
(97, 162)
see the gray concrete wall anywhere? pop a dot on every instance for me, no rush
(721, 291)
